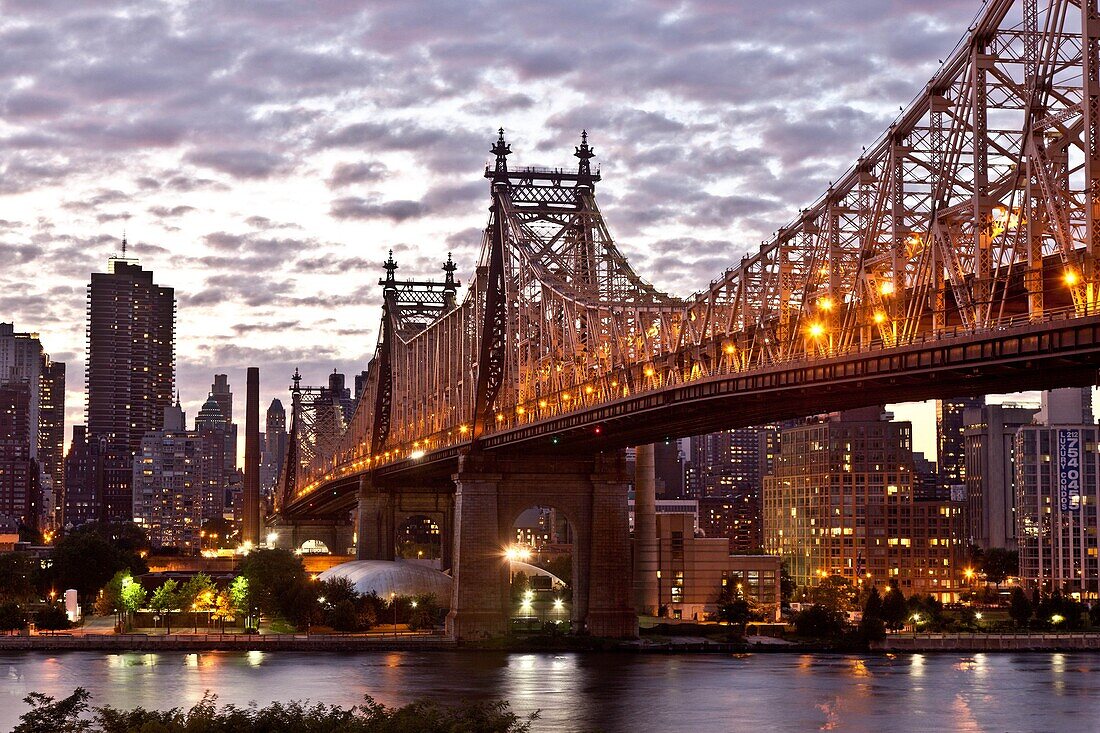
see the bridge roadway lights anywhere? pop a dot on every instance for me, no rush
(490, 493)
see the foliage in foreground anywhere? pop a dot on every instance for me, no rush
(73, 714)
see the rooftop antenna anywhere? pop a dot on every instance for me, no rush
(123, 244)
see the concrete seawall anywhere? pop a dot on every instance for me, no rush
(987, 642)
(225, 642)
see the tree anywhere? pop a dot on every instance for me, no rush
(734, 608)
(833, 592)
(52, 618)
(871, 625)
(240, 598)
(787, 585)
(819, 622)
(223, 609)
(1019, 608)
(165, 600)
(132, 597)
(344, 616)
(427, 614)
(197, 596)
(894, 609)
(19, 577)
(999, 563)
(55, 716)
(89, 557)
(12, 617)
(109, 600)
(272, 575)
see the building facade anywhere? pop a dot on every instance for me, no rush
(990, 440)
(694, 570)
(841, 502)
(130, 372)
(951, 439)
(1057, 466)
(20, 490)
(167, 482)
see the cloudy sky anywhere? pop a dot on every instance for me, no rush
(263, 154)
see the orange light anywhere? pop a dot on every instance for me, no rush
(729, 349)
(880, 317)
(500, 417)
(565, 397)
(1071, 277)
(542, 403)
(649, 371)
(588, 390)
(825, 304)
(887, 288)
(463, 429)
(816, 329)
(520, 410)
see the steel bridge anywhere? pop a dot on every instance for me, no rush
(958, 255)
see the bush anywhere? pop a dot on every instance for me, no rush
(344, 616)
(69, 715)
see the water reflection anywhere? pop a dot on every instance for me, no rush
(621, 692)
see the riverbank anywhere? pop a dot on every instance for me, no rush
(1064, 642)
(227, 642)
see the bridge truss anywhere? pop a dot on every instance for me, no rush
(978, 209)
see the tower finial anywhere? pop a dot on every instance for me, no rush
(584, 154)
(500, 149)
(450, 286)
(124, 243)
(297, 379)
(390, 282)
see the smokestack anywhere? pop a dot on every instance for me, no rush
(646, 551)
(250, 526)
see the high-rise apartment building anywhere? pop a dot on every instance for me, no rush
(25, 367)
(217, 467)
(83, 479)
(51, 433)
(20, 490)
(223, 395)
(726, 474)
(131, 370)
(1057, 495)
(840, 502)
(950, 441)
(990, 439)
(168, 486)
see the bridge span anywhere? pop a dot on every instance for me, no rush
(957, 256)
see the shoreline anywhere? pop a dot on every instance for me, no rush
(356, 643)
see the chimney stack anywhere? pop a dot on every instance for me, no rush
(250, 529)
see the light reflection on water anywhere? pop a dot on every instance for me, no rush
(609, 692)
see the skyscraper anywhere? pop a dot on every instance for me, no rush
(840, 502)
(168, 487)
(51, 435)
(131, 370)
(990, 438)
(20, 492)
(950, 442)
(212, 430)
(83, 479)
(223, 395)
(1057, 496)
(274, 449)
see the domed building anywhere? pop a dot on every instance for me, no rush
(385, 577)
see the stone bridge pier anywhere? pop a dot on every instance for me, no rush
(491, 492)
(382, 510)
(335, 534)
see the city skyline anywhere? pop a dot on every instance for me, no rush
(290, 162)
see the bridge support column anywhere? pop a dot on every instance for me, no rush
(646, 561)
(374, 524)
(480, 572)
(610, 611)
(591, 492)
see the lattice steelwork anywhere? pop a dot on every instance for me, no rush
(977, 209)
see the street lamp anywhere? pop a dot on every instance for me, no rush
(393, 600)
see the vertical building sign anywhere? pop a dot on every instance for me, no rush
(1069, 469)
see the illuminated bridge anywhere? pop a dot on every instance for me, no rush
(957, 256)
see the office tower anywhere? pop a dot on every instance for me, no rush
(668, 461)
(341, 395)
(167, 484)
(990, 440)
(840, 502)
(213, 430)
(51, 434)
(222, 394)
(20, 491)
(360, 385)
(21, 361)
(727, 476)
(950, 443)
(274, 449)
(1057, 494)
(250, 522)
(131, 372)
(83, 479)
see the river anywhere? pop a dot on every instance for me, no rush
(609, 692)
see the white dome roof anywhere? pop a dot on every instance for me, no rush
(385, 577)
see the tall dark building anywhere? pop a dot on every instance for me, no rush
(668, 469)
(51, 433)
(217, 468)
(360, 385)
(131, 370)
(274, 449)
(20, 491)
(223, 395)
(341, 395)
(83, 479)
(950, 442)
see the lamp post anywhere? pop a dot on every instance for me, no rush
(393, 600)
